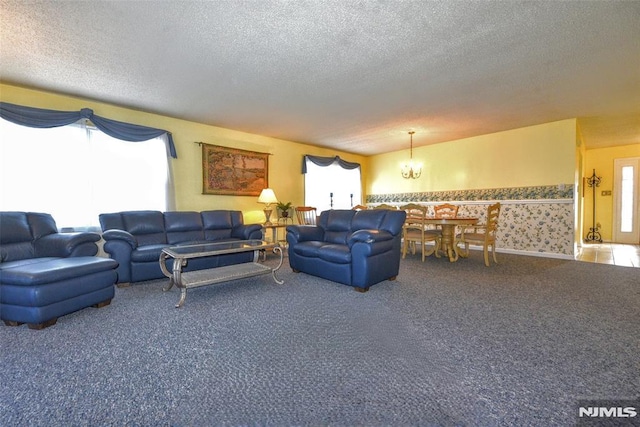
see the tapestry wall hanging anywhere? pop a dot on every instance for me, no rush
(231, 171)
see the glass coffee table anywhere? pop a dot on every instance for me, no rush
(193, 279)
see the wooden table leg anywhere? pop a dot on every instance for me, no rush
(448, 240)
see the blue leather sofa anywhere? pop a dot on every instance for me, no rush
(355, 248)
(135, 239)
(45, 274)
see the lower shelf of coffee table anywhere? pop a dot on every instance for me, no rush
(193, 279)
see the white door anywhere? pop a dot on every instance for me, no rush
(626, 220)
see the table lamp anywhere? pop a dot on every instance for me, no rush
(267, 196)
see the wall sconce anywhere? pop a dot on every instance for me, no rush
(267, 196)
(411, 170)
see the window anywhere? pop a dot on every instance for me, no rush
(333, 183)
(627, 192)
(76, 172)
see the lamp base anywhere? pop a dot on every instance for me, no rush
(267, 214)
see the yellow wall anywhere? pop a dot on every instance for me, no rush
(601, 159)
(531, 156)
(540, 155)
(285, 163)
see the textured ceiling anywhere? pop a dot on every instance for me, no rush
(354, 75)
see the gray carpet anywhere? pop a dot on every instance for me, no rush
(520, 343)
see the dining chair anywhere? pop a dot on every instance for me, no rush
(306, 215)
(446, 210)
(359, 208)
(415, 231)
(385, 206)
(483, 234)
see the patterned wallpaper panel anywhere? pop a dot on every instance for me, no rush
(531, 227)
(532, 219)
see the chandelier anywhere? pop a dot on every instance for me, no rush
(411, 170)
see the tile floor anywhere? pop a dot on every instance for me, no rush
(610, 253)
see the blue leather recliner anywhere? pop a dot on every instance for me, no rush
(355, 248)
(45, 274)
(136, 238)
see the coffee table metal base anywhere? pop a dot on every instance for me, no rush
(193, 279)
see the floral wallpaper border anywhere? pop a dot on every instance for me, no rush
(545, 192)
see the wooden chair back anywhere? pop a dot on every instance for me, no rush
(493, 212)
(385, 206)
(306, 215)
(446, 210)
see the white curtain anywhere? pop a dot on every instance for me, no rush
(76, 172)
(321, 182)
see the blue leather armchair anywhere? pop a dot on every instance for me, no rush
(135, 239)
(45, 274)
(355, 248)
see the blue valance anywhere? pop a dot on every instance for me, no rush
(42, 118)
(326, 161)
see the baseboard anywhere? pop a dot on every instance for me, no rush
(526, 253)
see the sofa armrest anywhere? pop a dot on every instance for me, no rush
(67, 244)
(121, 235)
(119, 245)
(368, 243)
(305, 233)
(247, 232)
(369, 236)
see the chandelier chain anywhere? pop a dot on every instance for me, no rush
(411, 171)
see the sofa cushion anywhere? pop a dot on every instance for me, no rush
(367, 220)
(54, 270)
(340, 254)
(329, 252)
(217, 224)
(337, 227)
(42, 224)
(310, 249)
(146, 226)
(16, 251)
(23, 262)
(147, 253)
(183, 226)
(15, 228)
(15, 239)
(111, 221)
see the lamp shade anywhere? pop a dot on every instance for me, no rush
(267, 196)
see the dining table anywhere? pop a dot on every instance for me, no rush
(448, 225)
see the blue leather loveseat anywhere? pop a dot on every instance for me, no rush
(356, 248)
(136, 238)
(45, 274)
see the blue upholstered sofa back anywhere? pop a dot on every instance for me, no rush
(338, 225)
(156, 228)
(18, 231)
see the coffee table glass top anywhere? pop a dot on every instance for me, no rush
(218, 248)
